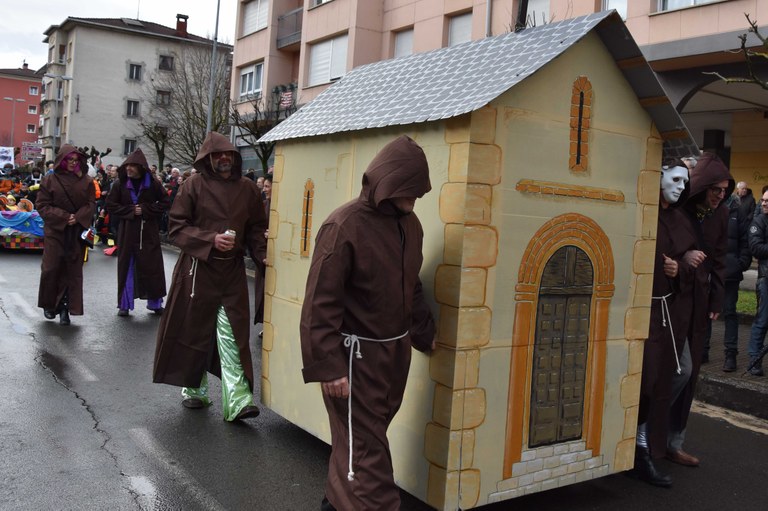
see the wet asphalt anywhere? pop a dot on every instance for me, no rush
(83, 427)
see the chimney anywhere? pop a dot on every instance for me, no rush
(25, 65)
(181, 25)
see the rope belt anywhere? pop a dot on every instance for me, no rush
(141, 236)
(352, 342)
(666, 320)
(193, 273)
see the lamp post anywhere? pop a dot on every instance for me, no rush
(13, 113)
(213, 69)
(57, 136)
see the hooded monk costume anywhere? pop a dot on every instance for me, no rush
(63, 193)
(364, 295)
(207, 304)
(140, 269)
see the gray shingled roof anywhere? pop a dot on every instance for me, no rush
(453, 81)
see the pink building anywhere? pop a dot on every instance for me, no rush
(19, 106)
(302, 46)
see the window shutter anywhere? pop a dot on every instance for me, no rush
(319, 63)
(403, 43)
(460, 29)
(338, 57)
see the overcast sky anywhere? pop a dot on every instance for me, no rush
(23, 21)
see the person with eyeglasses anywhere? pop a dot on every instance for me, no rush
(711, 183)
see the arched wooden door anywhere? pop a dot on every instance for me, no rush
(561, 347)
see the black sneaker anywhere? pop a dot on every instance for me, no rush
(193, 402)
(248, 412)
(729, 365)
(757, 369)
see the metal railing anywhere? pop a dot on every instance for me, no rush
(289, 27)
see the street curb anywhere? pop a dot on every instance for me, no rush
(739, 395)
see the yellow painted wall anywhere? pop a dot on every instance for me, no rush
(533, 127)
(749, 152)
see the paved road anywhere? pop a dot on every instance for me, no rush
(83, 427)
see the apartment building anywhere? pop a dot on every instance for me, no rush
(19, 107)
(304, 46)
(105, 75)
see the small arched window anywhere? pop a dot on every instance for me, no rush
(306, 217)
(581, 114)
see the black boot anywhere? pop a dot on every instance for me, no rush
(49, 313)
(729, 364)
(64, 311)
(646, 470)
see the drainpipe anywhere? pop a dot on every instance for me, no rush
(488, 15)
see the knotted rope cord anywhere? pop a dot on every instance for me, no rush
(352, 342)
(141, 235)
(666, 317)
(193, 273)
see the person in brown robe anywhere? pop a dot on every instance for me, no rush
(137, 201)
(670, 318)
(364, 297)
(711, 184)
(206, 323)
(66, 202)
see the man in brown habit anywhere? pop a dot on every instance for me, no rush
(206, 323)
(363, 310)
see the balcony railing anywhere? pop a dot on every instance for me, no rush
(289, 27)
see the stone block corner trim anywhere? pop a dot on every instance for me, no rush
(535, 186)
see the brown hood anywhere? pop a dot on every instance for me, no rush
(217, 143)
(400, 169)
(709, 171)
(64, 151)
(137, 158)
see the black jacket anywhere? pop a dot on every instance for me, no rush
(739, 256)
(758, 243)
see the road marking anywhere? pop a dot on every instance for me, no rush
(74, 363)
(22, 304)
(738, 419)
(151, 448)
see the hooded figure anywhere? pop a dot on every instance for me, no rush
(66, 202)
(669, 321)
(364, 295)
(206, 323)
(137, 202)
(711, 184)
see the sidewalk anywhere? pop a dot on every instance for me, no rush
(734, 391)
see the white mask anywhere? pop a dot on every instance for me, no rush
(673, 181)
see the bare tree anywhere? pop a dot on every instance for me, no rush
(264, 112)
(751, 58)
(177, 100)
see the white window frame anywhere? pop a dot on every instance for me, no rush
(539, 12)
(32, 109)
(160, 62)
(129, 145)
(327, 60)
(315, 3)
(683, 4)
(33, 90)
(255, 16)
(132, 112)
(163, 94)
(460, 28)
(33, 130)
(131, 74)
(251, 78)
(403, 43)
(619, 5)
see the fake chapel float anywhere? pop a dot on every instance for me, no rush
(544, 149)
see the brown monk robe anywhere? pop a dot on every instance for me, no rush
(68, 192)
(138, 236)
(364, 281)
(205, 278)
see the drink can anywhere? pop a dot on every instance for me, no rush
(230, 233)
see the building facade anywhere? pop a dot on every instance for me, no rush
(305, 45)
(105, 77)
(19, 108)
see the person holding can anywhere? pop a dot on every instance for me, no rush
(215, 219)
